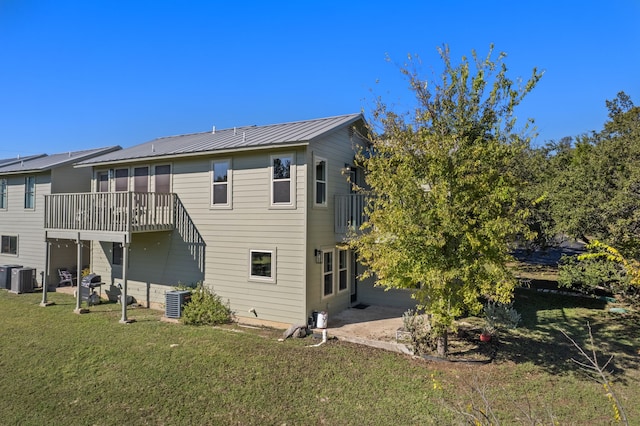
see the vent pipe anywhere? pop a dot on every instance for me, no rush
(213, 130)
(235, 132)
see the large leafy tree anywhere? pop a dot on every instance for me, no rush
(443, 194)
(595, 190)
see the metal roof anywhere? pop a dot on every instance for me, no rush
(237, 138)
(45, 162)
(7, 161)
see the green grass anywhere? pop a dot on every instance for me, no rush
(58, 367)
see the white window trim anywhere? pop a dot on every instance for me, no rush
(35, 185)
(260, 279)
(6, 193)
(347, 269)
(229, 203)
(292, 182)
(17, 245)
(333, 273)
(317, 160)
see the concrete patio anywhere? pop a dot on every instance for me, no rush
(373, 325)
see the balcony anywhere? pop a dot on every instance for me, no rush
(110, 212)
(349, 212)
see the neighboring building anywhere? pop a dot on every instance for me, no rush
(256, 213)
(24, 183)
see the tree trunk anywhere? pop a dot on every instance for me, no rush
(442, 345)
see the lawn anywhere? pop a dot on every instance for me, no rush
(58, 367)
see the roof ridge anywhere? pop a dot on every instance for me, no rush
(204, 132)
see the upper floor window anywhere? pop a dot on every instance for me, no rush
(122, 179)
(321, 182)
(9, 244)
(162, 175)
(29, 192)
(102, 181)
(3, 193)
(282, 180)
(221, 183)
(141, 179)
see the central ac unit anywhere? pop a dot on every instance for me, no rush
(22, 280)
(175, 301)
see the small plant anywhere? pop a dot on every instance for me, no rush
(419, 328)
(499, 315)
(205, 308)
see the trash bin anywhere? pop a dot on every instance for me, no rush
(5, 275)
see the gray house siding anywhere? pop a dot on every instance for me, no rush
(160, 261)
(26, 224)
(337, 149)
(53, 174)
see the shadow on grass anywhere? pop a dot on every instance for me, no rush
(539, 339)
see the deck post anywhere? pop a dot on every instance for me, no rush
(123, 292)
(79, 309)
(47, 252)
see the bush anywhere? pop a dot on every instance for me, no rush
(594, 274)
(419, 328)
(499, 315)
(205, 308)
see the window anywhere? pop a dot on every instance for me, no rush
(3, 193)
(116, 254)
(30, 192)
(122, 180)
(141, 179)
(102, 181)
(221, 183)
(282, 180)
(163, 179)
(262, 265)
(321, 182)
(327, 273)
(9, 245)
(343, 270)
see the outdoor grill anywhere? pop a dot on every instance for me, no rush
(87, 285)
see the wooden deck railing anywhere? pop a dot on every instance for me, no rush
(349, 212)
(110, 211)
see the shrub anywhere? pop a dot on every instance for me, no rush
(590, 275)
(499, 315)
(205, 308)
(419, 328)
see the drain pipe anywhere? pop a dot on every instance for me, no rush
(322, 324)
(324, 339)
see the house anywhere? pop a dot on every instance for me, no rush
(256, 213)
(24, 184)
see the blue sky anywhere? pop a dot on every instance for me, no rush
(86, 74)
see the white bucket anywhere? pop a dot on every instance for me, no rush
(322, 320)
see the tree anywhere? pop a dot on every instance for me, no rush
(595, 191)
(443, 195)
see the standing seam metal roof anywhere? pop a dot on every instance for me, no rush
(48, 162)
(229, 139)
